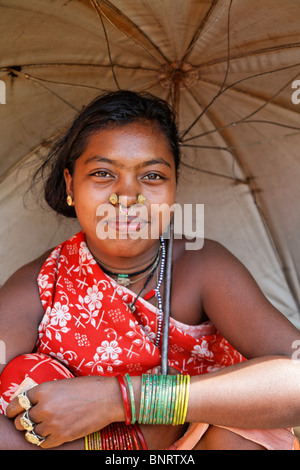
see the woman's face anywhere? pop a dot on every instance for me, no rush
(128, 161)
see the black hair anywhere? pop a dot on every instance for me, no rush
(108, 110)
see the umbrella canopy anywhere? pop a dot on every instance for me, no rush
(230, 69)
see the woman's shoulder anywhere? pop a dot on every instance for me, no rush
(207, 265)
(204, 250)
(28, 273)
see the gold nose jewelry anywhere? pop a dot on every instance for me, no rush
(141, 199)
(114, 199)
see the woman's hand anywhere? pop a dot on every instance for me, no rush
(66, 410)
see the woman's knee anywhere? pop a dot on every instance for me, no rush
(217, 438)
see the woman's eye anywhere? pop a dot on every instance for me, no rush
(101, 174)
(152, 176)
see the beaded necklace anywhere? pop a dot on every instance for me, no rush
(124, 279)
(150, 270)
(157, 291)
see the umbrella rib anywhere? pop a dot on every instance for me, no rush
(251, 114)
(226, 148)
(125, 25)
(229, 148)
(74, 64)
(264, 50)
(99, 13)
(37, 81)
(225, 77)
(199, 30)
(213, 173)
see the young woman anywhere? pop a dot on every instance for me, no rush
(80, 318)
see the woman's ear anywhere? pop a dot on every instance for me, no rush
(69, 183)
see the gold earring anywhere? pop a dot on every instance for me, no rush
(141, 199)
(114, 198)
(69, 201)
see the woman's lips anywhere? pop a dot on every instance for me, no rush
(129, 224)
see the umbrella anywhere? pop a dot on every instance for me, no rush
(230, 69)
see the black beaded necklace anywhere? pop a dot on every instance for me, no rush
(124, 279)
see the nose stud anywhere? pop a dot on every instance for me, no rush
(114, 199)
(141, 199)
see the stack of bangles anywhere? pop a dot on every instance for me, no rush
(164, 400)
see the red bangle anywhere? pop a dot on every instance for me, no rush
(125, 399)
(140, 436)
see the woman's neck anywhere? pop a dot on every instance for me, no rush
(125, 264)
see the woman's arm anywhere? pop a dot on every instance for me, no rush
(20, 311)
(259, 394)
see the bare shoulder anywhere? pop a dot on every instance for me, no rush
(26, 275)
(21, 309)
(204, 255)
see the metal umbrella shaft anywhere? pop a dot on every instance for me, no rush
(167, 302)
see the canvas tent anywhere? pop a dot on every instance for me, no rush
(230, 69)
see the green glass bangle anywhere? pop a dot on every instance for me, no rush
(188, 379)
(153, 399)
(150, 393)
(164, 402)
(172, 406)
(131, 394)
(146, 399)
(181, 399)
(176, 400)
(168, 396)
(142, 399)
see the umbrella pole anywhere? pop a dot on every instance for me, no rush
(167, 302)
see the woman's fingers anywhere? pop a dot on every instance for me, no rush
(18, 404)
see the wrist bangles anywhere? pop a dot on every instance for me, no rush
(164, 400)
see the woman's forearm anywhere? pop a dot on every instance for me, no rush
(257, 394)
(260, 393)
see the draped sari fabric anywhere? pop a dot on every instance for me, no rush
(88, 328)
(88, 325)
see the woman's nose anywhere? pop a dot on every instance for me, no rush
(128, 191)
(127, 200)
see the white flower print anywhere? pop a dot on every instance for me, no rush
(60, 315)
(85, 253)
(109, 350)
(85, 260)
(93, 298)
(43, 281)
(200, 351)
(64, 356)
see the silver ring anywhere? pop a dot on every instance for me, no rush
(34, 438)
(24, 401)
(26, 422)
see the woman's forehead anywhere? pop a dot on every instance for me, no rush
(131, 141)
